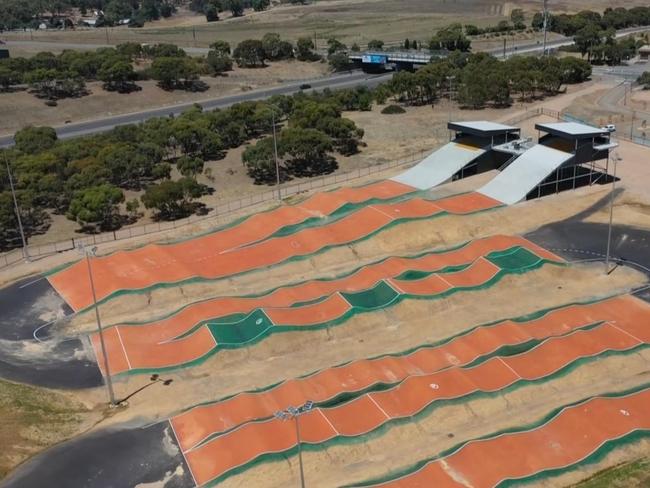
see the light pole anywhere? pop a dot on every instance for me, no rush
(88, 252)
(611, 214)
(17, 208)
(275, 153)
(294, 413)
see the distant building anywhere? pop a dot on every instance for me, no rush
(644, 52)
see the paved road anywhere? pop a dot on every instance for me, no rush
(345, 80)
(32, 350)
(109, 458)
(577, 240)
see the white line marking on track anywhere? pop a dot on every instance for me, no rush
(119, 336)
(510, 368)
(45, 325)
(394, 286)
(183, 453)
(626, 332)
(31, 283)
(377, 405)
(382, 212)
(445, 281)
(328, 421)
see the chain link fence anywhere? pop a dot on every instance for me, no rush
(219, 215)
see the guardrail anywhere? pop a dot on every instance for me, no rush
(220, 214)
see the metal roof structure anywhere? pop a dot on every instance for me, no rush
(571, 130)
(482, 128)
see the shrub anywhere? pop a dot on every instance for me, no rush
(392, 109)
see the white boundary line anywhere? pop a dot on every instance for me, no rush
(382, 212)
(320, 410)
(533, 429)
(625, 332)
(25, 285)
(510, 367)
(183, 453)
(397, 289)
(451, 287)
(377, 405)
(119, 336)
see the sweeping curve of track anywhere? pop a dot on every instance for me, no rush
(136, 348)
(575, 434)
(199, 423)
(216, 458)
(219, 255)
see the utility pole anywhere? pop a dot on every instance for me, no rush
(545, 26)
(109, 382)
(17, 208)
(611, 215)
(275, 153)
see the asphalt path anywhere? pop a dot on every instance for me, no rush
(576, 240)
(117, 458)
(32, 350)
(339, 81)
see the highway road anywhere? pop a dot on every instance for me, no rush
(338, 81)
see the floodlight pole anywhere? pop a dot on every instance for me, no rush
(109, 381)
(611, 216)
(295, 412)
(20, 222)
(275, 153)
(302, 472)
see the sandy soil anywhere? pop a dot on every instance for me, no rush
(21, 108)
(629, 209)
(446, 427)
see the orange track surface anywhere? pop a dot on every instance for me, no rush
(567, 439)
(196, 424)
(226, 252)
(216, 457)
(151, 346)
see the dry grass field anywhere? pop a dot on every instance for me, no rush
(350, 20)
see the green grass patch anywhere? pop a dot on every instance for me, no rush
(632, 474)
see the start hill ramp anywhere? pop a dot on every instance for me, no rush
(524, 174)
(440, 165)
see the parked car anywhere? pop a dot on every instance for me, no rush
(305, 86)
(609, 128)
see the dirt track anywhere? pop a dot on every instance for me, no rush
(446, 426)
(404, 326)
(404, 239)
